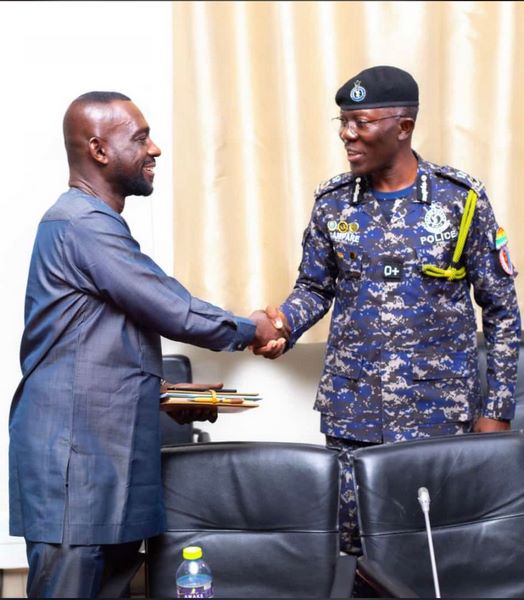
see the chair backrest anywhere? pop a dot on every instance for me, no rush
(177, 369)
(264, 513)
(476, 487)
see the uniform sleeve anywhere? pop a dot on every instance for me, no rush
(102, 258)
(494, 291)
(315, 287)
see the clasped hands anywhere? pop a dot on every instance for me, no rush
(271, 336)
(272, 333)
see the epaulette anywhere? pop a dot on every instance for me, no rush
(332, 184)
(460, 177)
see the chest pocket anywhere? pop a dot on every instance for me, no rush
(350, 260)
(438, 255)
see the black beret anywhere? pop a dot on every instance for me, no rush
(378, 87)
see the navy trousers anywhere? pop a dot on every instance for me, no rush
(66, 571)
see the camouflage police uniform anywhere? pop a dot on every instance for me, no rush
(401, 357)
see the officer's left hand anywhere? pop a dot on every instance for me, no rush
(485, 425)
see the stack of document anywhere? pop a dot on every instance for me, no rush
(225, 400)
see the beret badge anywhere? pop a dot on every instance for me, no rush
(358, 93)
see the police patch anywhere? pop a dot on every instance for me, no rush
(435, 220)
(505, 261)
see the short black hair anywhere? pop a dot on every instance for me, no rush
(102, 97)
(409, 111)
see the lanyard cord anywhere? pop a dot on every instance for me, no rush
(453, 271)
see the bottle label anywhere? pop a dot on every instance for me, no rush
(196, 591)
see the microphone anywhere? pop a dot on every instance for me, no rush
(423, 498)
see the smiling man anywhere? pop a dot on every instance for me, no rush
(398, 244)
(84, 474)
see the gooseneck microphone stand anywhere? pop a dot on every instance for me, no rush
(423, 498)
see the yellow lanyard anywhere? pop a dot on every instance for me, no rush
(453, 271)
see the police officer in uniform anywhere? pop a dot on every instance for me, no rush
(398, 244)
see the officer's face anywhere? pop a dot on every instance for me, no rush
(371, 139)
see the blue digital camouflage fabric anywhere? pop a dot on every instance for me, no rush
(401, 357)
(348, 518)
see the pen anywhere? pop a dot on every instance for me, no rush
(217, 400)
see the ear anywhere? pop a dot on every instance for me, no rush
(97, 150)
(407, 125)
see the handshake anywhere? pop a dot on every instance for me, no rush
(272, 333)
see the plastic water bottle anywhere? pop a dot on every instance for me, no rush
(193, 576)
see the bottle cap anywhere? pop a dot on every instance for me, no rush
(192, 552)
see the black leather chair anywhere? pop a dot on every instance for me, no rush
(518, 421)
(476, 487)
(177, 369)
(265, 515)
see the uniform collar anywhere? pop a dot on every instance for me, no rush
(362, 184)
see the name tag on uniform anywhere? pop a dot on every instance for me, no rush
(392, 269)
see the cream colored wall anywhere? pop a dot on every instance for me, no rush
(51, 53)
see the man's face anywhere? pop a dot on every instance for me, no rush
(131, 151)
(370, 138)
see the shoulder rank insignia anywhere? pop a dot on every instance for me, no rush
(461, 177)
(333, 184)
